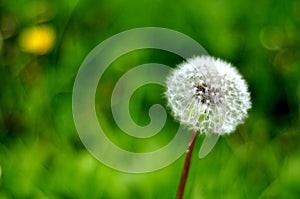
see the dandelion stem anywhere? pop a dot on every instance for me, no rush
(186, 167)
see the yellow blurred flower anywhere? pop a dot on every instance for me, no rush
(37, 39)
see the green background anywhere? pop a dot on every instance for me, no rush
(41, 155)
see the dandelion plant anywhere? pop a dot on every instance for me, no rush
(210, 97)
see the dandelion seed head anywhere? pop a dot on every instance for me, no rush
(208, 95)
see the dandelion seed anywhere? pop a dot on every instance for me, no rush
(208, 95)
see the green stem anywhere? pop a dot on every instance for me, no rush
(186, 167)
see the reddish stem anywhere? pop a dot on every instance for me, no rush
(186, 167)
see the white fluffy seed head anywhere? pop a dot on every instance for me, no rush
(208, 95)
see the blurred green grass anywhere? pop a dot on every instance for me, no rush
(41, 155)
